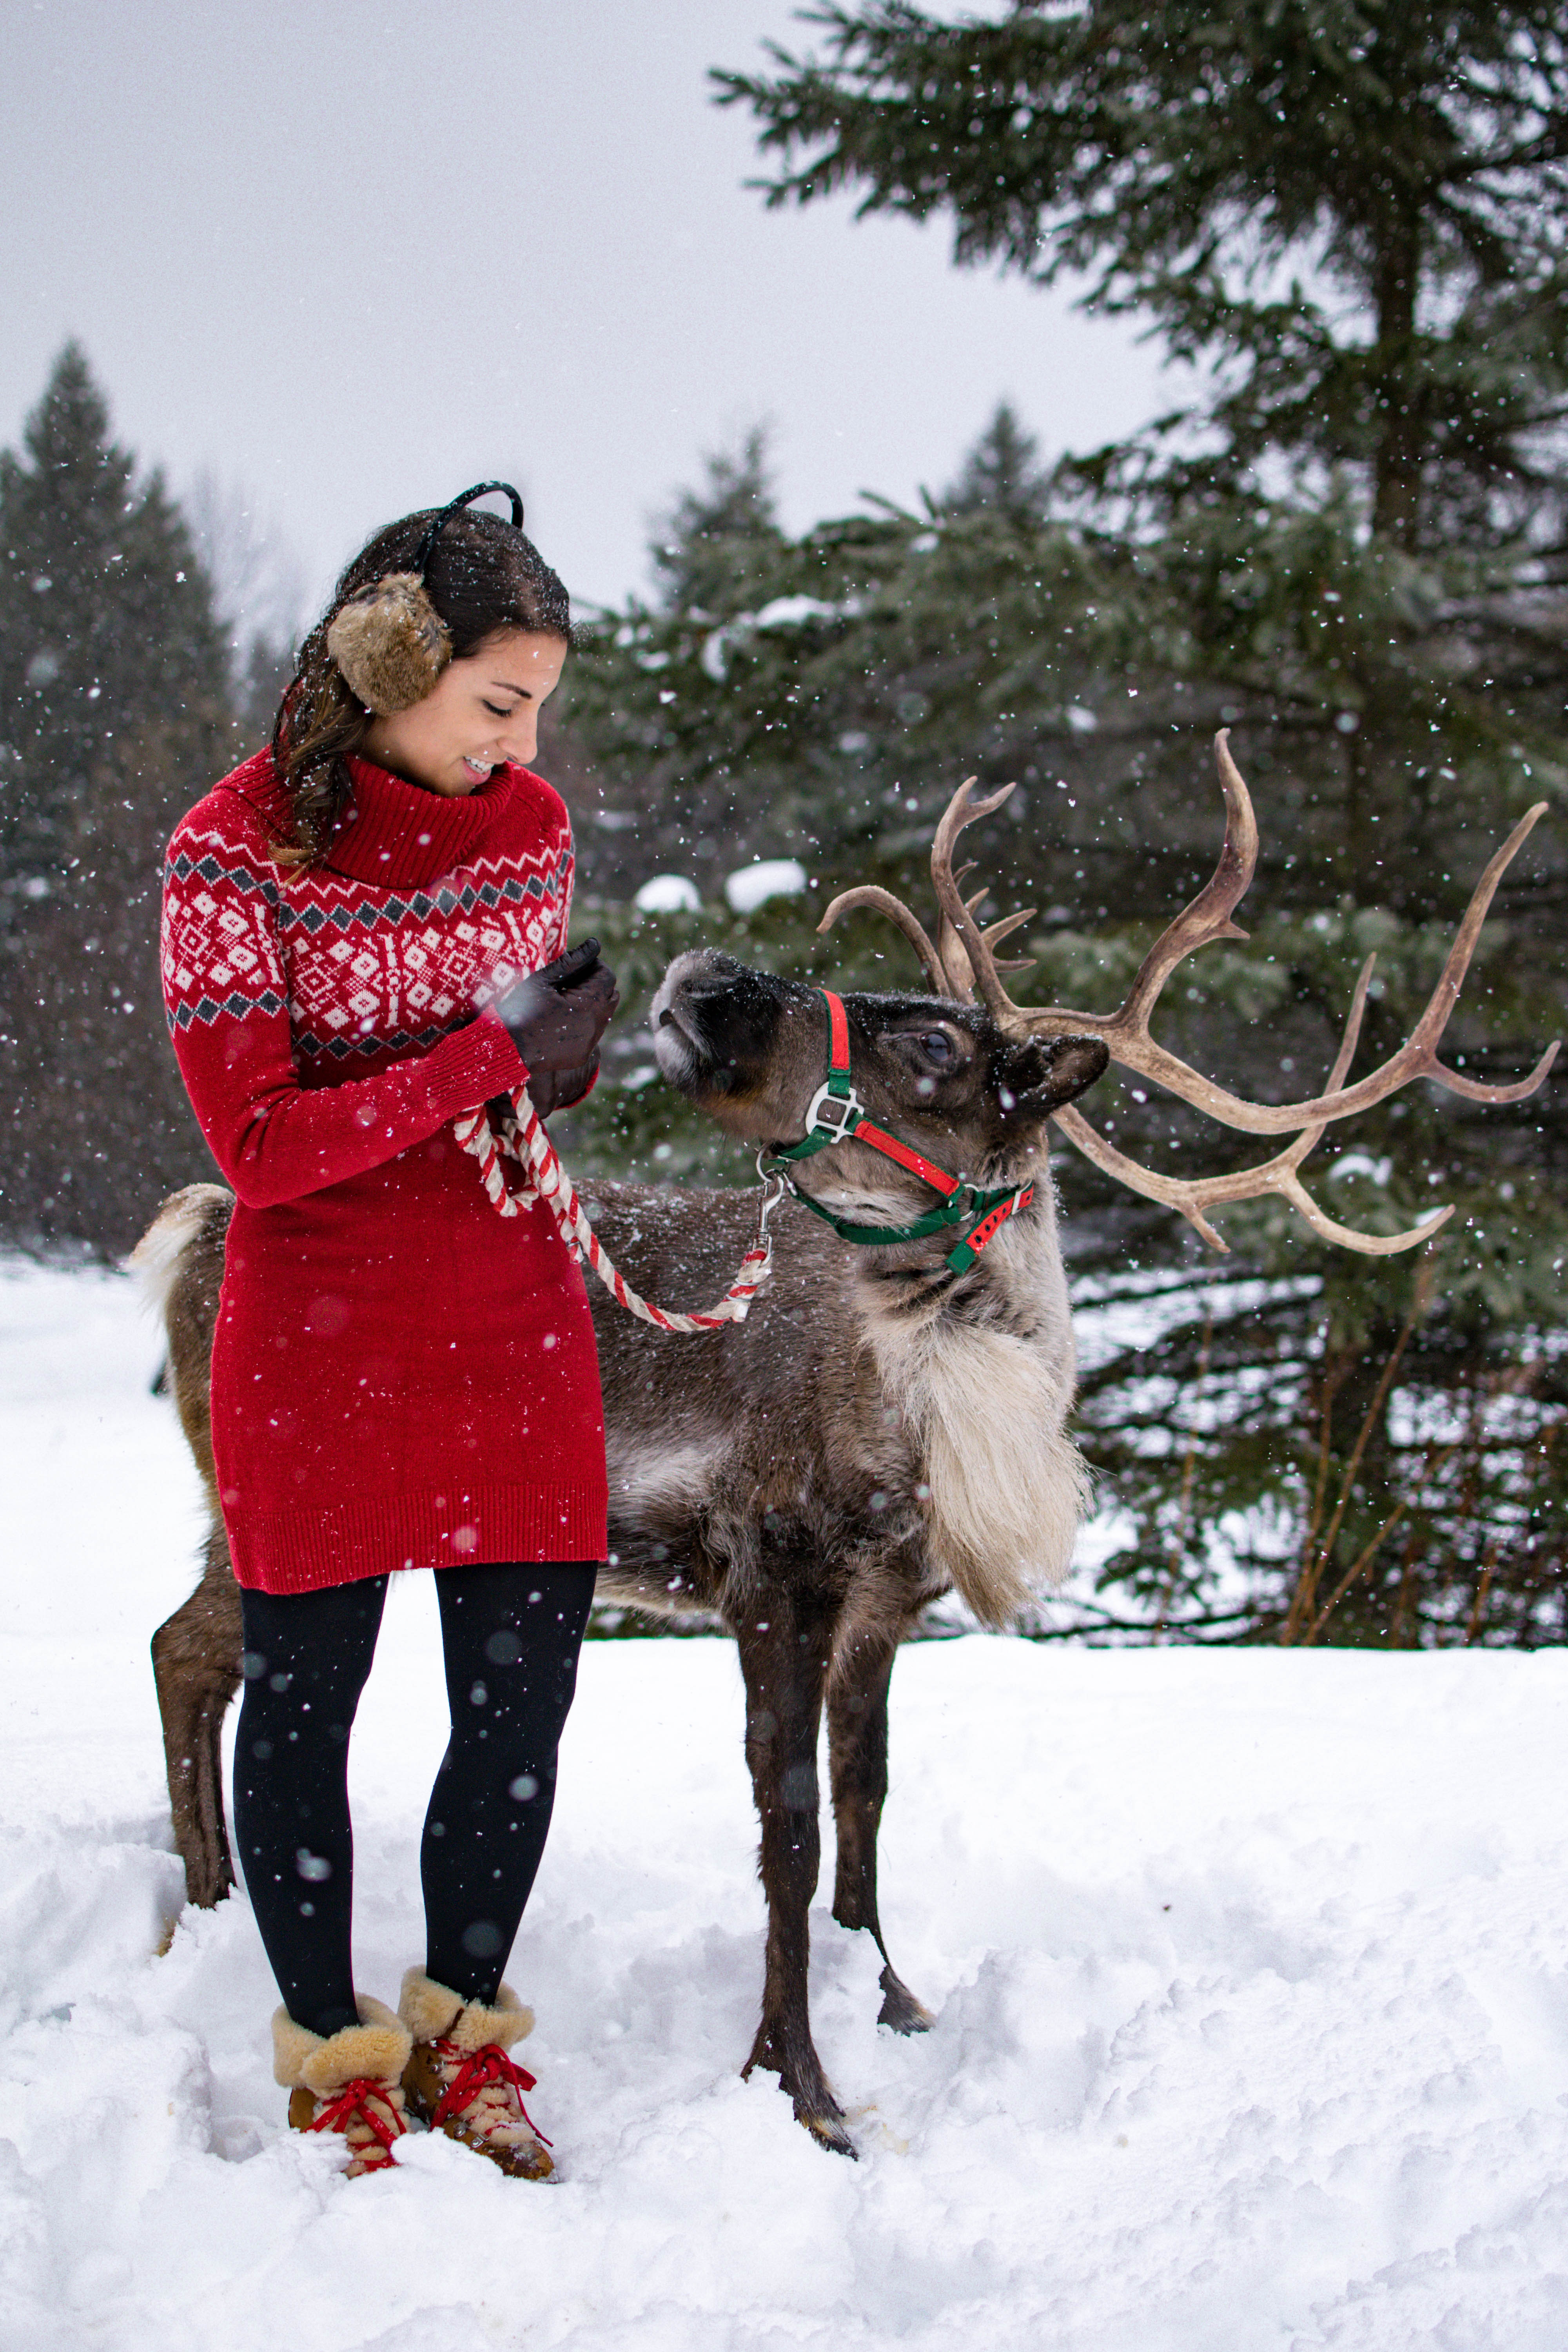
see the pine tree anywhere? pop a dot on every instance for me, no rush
(113, 717)
(106, 617)
(1352, 218)
(1413, 158)
(1003, 471)
(259, 592)
(715, 538)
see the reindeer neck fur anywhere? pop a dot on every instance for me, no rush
(983, 1369)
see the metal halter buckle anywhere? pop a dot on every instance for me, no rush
(838, 1114)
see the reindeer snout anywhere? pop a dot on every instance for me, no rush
(694, 987)
(715, 1023)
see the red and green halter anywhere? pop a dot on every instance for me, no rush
(835, 1113)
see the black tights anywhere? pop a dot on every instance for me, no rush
(510, 1634)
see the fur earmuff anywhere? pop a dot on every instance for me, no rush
(390, 644)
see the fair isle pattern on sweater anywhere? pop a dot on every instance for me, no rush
(362, 970)
(216, 937)
(281, 983)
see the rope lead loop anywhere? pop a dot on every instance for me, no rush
(522, 1139)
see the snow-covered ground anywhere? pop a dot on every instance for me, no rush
(1250, 1974)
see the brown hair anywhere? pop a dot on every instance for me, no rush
(483, 575)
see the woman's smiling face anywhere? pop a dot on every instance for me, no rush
(483, 711)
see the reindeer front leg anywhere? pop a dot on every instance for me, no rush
(783, 1658)
(195, 1664)
(857, 1752)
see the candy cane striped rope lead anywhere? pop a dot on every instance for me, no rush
(522, 1138)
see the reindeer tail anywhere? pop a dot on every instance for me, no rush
(185, 1217)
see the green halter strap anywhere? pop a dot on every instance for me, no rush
(835, 1113)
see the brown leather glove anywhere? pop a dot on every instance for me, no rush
(555, 1018)
(552, 1090)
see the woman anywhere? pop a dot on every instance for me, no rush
(401, 1378)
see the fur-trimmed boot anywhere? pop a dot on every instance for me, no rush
(349, 2081)
(459, 2079)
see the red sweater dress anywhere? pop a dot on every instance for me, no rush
(401, 1378)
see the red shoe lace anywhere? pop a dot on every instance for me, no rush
(479, 2071)
(354, 2100)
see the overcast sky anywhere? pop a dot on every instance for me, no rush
(352, 255)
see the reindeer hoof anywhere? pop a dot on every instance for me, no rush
(815, 2107)
(899, 2008)
(827, 2132)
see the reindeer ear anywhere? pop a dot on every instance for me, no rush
(1049, 1071)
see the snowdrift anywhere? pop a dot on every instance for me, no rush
(1250, 1972)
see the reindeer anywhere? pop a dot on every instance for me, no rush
(891, 1423)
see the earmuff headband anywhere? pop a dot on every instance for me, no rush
(482, 489)
(389, 642)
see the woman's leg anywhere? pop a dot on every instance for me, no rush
(306, 1658)
(511, 1635)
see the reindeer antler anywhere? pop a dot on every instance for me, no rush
(1276, 1175)
(965, 959)
(947, 964)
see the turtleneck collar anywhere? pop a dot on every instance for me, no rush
(399, 835)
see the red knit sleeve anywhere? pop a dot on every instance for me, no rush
(568, 876)
(226, 995)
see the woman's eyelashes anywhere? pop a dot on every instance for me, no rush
(497, 712)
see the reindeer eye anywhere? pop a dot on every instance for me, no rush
(939, 1048)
